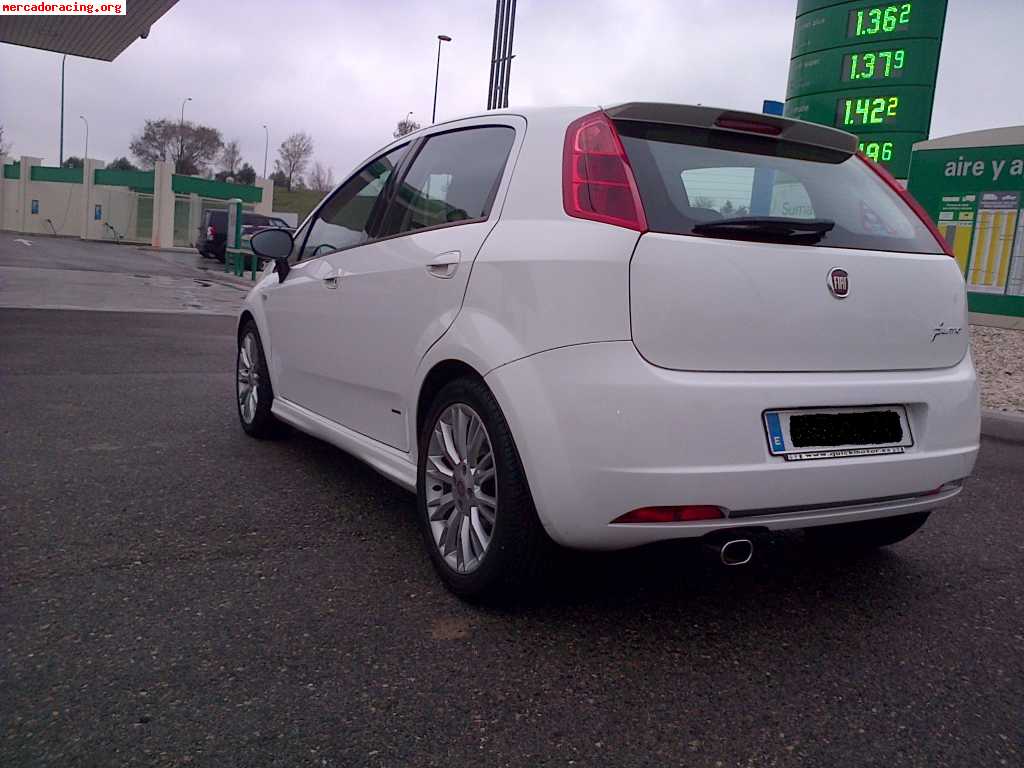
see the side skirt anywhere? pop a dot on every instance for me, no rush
(394, 464)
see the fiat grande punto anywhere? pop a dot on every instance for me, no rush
(605, 327)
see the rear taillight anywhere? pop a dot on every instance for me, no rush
(597, 181)
(908, 198)
(685, 514)
(210, 232)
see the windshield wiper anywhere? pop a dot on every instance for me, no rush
(767, 227)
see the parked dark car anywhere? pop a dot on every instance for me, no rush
(213, 232)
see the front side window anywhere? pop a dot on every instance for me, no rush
(454, 178)
(347, 218)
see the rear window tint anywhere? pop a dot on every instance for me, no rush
(688, 176)
(453, 179)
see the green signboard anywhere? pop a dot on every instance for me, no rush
(976, 197)
(868, 68)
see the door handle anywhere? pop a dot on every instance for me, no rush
(332, 282)
(445, 265)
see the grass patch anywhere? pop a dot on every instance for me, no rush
(299, 201)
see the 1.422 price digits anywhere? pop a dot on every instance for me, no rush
(868, 111)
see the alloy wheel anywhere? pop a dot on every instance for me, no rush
(248, 378)
(461, 487)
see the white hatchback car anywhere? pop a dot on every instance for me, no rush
(617, 326)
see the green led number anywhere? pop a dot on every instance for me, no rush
(879, 151)
(869, 111)
(877, 65)
(879, 20)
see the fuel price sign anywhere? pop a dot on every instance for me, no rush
(868, 68)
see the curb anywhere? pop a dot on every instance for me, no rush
(1002, 425)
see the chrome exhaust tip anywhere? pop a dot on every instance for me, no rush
(736, 552)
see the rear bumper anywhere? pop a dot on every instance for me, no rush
(602, 432)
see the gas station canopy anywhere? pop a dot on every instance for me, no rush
(94, 37)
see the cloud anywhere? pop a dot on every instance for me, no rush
(347, 71)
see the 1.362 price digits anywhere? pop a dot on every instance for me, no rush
(873, 21)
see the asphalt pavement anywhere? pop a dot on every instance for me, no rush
(67, 273)
(175, 593)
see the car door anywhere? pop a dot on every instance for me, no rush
(400, 294)
(303, 313)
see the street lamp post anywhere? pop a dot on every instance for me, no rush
(266, 150)
(181, 130)
(62, 62)
(86, 158)
(437, 73)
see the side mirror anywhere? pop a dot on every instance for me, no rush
(275, 244)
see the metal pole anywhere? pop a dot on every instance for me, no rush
(86, 158)
(499, 78)
(437, 74)
(508, 64)
(266, 150)
(494, 55)
(62, 62)
(181, 130)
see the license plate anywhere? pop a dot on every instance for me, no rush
(802, 434)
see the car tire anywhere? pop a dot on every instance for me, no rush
(868, 534)
(518, 549)
(254, 394)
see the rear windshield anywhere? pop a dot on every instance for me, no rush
(255, 219)
(688, 177)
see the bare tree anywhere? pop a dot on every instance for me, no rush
(293, 154)
(406, 125)
(192, 147)
(230, 158)
(5, 146)
(321, 179)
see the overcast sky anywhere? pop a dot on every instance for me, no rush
(346, 71)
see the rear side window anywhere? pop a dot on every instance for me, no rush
(688, 177)
(454, 179)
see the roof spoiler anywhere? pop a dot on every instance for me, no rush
(734, 121)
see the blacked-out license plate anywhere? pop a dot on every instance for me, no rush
(800, 434)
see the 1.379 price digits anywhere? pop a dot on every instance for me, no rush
(876, 65)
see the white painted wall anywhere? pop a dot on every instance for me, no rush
(266, 204)
(60, 203)
(71, 207)
(9, 216)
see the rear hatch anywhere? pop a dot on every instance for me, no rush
(782, 252)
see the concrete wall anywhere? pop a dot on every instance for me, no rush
(119, 209)
(60, 209)
(266, 205)
(71, 208)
